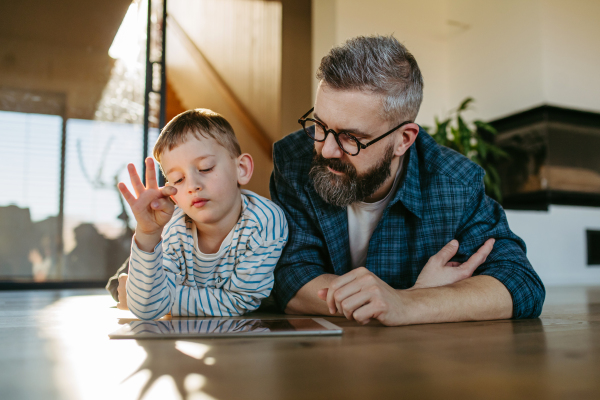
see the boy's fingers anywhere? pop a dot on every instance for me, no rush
(138, 186)
(126, 193)
(150, 174)
(168, 191)
(162, 204)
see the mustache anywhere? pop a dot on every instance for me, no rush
(343, 190)
(335, 164)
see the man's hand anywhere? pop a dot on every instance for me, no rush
(122, 292)
(360, 295)
(439, 271)
(152, 208)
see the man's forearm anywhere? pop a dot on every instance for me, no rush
(474, 299)
(306, 300)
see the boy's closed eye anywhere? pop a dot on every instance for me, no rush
(179, 180)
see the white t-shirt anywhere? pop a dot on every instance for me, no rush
(362, 221)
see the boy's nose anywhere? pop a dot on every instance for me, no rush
(194, 185)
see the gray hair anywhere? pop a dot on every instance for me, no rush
(380, 64)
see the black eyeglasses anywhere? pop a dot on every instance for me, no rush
(348, 143)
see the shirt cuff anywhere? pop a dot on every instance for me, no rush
(526, 289)
(135, 246)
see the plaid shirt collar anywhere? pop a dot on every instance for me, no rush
(409, 192)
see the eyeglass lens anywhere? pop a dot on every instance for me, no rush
(348, 144)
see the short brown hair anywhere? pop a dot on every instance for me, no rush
(200, 122)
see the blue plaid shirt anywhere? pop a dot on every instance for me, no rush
(441, 198)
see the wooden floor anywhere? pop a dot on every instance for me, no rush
(54, 345)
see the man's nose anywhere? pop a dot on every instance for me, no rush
(330, 147)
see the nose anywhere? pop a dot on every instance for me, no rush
(194, 184)
(330, 148)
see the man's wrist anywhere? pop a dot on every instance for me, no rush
(147, 242)
(409, 308)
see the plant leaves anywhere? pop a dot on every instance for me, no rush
(485, 126)
(482, 147)
(465, 104)
(486, 153)
(498, 152)
(494, 173)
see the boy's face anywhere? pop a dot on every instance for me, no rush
(206, 178)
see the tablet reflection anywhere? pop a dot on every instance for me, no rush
(209, 326)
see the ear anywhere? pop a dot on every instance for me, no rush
(407, 137)
(245, 165)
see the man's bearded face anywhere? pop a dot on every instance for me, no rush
(349, 187)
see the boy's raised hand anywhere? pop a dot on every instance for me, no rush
(152, 208)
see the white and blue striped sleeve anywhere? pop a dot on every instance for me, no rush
(151, 282)
(250, 282)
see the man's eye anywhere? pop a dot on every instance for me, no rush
(352, 136)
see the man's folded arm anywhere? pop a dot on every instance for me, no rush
(484, 218)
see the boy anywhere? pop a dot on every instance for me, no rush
(219, 243)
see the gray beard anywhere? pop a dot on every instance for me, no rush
(343, 190)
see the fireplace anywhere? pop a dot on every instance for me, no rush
(554, 158)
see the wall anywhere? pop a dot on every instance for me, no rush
(418, 25)
(242, 40)
(510, 55)
(571, 53)
(556, 242)
(496, 56)
(296, 63)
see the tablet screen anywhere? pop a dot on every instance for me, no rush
(177, 328)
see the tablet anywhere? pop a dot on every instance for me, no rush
(222, 328)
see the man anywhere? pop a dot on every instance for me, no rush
(376, 209)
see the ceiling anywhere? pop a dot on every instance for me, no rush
(80, 23)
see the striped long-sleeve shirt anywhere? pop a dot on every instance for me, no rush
(177, 277)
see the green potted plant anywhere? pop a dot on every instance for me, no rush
(466, 138)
